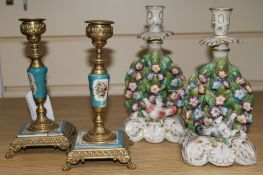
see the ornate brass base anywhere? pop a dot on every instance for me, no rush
(63, 138)
(106, 137)
(43, 127)
(116, 150)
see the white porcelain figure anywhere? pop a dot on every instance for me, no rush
(153, 89)
(219, 106)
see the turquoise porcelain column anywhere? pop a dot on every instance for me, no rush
(99, 86)
(37, 77)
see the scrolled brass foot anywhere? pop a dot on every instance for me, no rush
(10, 154)
(130, 165)
(66, 166)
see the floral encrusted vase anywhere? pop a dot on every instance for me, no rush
(154, 89)
(218, 105)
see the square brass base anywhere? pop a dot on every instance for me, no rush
(62, 137)
(116, 150)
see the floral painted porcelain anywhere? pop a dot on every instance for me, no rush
(219, 106)
(153, 89)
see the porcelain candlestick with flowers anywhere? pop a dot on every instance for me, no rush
(153, 89)
(219, 105)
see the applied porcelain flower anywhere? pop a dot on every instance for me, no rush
(240, 80)
(138, 66)
(215, 112)
(220, 100)
(240, 93)
(160, 77)
(198, 113)
(128, 94)
(181, 93)
(194, 102)
(155, 89)
(150, 76)
(242, 119)
(247, 106)
(130, 71)
(156, 68)
(216, 85)
(138, 76)
(137, 95)
(132, 86)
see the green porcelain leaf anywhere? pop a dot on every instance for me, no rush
(194, 91)
(155, 59)
(163, 94)
(168, 75)
(146, 71)
(156, 81)
(233, 73)
(190, 124)
(142, 89)
(238, 109)
(193, 78)
(235, 86)
(227, 93)
(164, 83)
(207, 69)
(165, 64)
(202, 100)
(146, 60)
(128, 104)
(222, 65)
(146, 84)
(210, 98)
(221, 90)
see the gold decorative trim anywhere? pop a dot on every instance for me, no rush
(117, 154)
(63, 142)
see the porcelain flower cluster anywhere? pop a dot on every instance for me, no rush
(154, 78)
(218, 94)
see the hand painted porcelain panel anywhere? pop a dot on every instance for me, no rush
(99, 85)
(37, 78)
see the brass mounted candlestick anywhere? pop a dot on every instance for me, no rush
(99, 32)
(99, 143)
(42, 131)
(33, 29)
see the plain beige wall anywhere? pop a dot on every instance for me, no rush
(67, 49)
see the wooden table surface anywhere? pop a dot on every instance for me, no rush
(163, 158)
